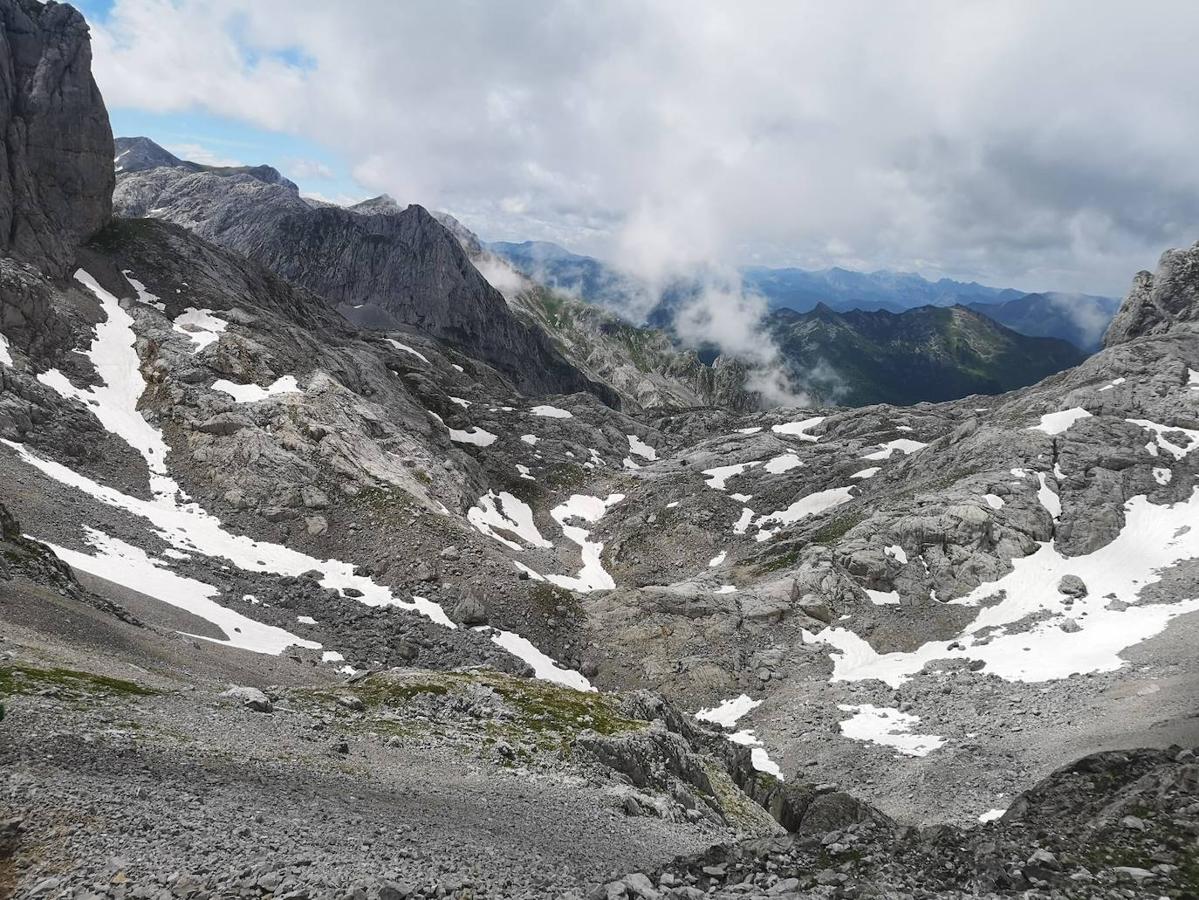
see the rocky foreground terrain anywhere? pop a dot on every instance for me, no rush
(295, 607)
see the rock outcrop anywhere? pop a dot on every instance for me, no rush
(56, 174)
(1159, 300)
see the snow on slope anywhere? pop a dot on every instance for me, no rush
(123, 563)
(252, 393)
(5, 355)
(906, 446)
(592, 577)
(199, 325)
(799, 429)
(190, 529)
(1057, 422)
(1154, 537)
(544, 667)
(887, 727)
(407, 349)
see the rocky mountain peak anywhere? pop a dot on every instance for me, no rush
(1159, 300)
(56, 180)
(140, 154)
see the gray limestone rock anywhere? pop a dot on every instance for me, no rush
(56, 175)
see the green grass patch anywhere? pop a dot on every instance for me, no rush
(832, 532)
(17, 679)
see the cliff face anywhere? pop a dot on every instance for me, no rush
(56, 149)
(1159, 300)
(400, 266)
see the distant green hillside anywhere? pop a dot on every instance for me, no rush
(929, 353)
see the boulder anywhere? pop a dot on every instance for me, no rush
(1072, 586)
(250, 698)
(471, 609)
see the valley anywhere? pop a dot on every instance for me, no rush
(342, 554)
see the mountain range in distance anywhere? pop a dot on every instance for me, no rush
(1078, 318)
(385, 264)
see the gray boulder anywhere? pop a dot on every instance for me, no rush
(250, 698)
(471, 610)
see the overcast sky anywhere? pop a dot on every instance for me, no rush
(1042, 145)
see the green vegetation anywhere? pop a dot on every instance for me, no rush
(538, 709)
(831, 532)
(782, 558)
(17, 679)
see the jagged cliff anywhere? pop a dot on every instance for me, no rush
(56, 175)
(1159, 300)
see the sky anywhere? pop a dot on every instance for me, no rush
(1043, 145)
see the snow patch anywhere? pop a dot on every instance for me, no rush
(544, 667)
(1048, 498)
(507, 513)
(551, 412)
(5, 355)
(866, 473)
(1154, 538)
(199, 326)
(801, 509)
(906, 446)
(718, 476)
(592, 577)
(887, 727)
(252, 393)
(727, 712)
(1178, 452)
(781, 464)
(408, 349)
(1057, 422)
(717, 559)
(799, 429)
(642, 449)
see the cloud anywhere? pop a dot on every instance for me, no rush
(308, 169)
(198, 153)
(1040, 145)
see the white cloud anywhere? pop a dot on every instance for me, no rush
(198, 153)
(308, 170)
(1046, 145)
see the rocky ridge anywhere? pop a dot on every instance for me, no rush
(401, 269)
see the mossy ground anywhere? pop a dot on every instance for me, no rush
(17, 679)
(539, 712)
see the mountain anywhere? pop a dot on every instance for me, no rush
(924, 354)
(842, 289)
(1080, 319)
(382, 270)
(140, 154)
(273, 585)
(1077, 318)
